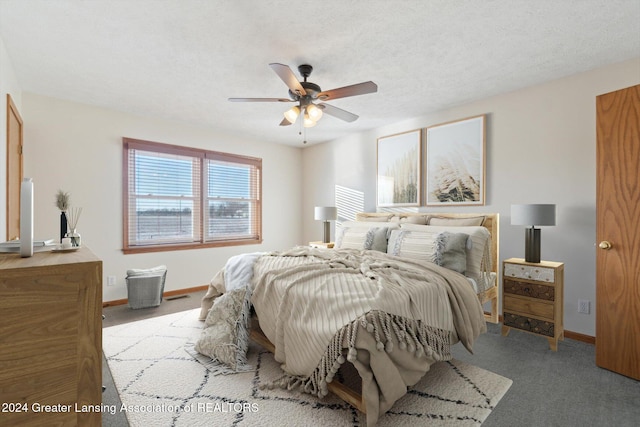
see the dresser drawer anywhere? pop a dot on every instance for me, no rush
(528, 324)
(530, 272)
(526, 289)
(528, 306)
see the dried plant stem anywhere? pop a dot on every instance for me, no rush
(62, 200)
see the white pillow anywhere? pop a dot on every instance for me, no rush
(479, 260)
(368, 224)
(456, 222)
(409, 219)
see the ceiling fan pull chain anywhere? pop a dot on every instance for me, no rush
(303, 130)
(301, 121)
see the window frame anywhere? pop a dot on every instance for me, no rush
(203, 156)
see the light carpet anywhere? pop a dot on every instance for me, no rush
(160, 384)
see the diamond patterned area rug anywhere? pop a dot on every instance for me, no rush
(160, 384)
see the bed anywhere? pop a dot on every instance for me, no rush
(371, 302)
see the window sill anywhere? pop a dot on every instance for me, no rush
(180, 247)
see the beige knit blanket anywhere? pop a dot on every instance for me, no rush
(304, 297)
(392, 318)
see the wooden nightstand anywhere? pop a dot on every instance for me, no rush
(532, 298)
(321, 245)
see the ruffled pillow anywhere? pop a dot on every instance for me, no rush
(225, 335)
(451, 251)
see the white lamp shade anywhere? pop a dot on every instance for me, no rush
(533, 215)
(325, 213)
(314, 112)
(292, 114)
(308, 122)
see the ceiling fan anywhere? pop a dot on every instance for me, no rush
(305, 94)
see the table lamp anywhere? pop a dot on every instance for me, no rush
(326, 214)
(533, 215)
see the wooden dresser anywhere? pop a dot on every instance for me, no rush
(51, 339)
(532, 298)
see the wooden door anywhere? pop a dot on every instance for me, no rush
(618, 231)
(14, 169)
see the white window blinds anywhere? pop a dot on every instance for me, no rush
(177, 197)
(233, 199)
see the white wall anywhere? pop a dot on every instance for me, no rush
(8, 85)
(540, 149)
(78, 148)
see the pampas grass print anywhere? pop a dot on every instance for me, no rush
(453, 181)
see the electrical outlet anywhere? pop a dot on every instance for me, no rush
(111, 280)
(584, 306)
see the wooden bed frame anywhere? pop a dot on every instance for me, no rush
(491, 222)
(345, 393)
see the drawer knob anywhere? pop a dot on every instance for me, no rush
(605, 245)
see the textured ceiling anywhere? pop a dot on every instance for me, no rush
(182, 59)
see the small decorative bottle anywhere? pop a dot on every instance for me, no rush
(76, 239)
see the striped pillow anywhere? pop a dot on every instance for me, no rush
(479, 260)
(418, 245)
(371, 238)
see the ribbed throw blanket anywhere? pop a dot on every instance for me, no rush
(312, 303)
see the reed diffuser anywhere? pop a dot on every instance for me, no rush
(73, 215)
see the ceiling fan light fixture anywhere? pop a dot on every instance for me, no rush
(308, 122)
(314, 112)
(292, 114)
(305, 93)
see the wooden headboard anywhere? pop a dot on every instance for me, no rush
(491, 222)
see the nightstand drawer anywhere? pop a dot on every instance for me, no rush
(528, 324)
(528, 306)
(530, 272)
(543, 292)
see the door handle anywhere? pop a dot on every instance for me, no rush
(605, 245)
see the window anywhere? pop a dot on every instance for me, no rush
(183, 198)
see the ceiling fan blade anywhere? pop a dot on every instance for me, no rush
(338, 113)
(285, 122)
(353, 90)
(260, 100)
(287, 76)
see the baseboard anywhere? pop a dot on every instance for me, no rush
(165, 294)
(114, 303)
(580, 337)
(569, 334)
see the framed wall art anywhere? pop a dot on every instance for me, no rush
(399, 169)
(455, 163)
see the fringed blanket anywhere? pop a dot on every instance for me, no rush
(394, 318)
